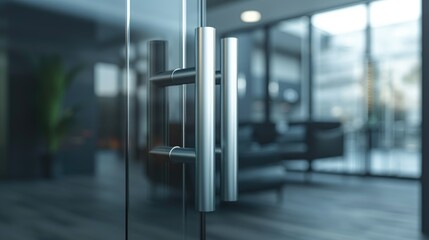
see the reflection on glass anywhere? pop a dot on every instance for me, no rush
(339, 71)
(396, 62)
(288, 87)
(161, 193)
(251, 75)
(345, 20)
(376, 95)
(390, 12)
(57, 179)
(106, 80)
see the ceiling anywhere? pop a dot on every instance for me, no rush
(227, 17)
(154, 16)
(217, 3)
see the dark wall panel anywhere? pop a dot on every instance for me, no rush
(3, 111)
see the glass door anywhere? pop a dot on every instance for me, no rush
(159, 199)
(182, 120)
(112, 115)
(62, 164)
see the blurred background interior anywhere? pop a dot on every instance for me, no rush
(330, 121)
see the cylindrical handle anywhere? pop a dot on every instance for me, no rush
(205, 118)
(229, 119)
(157, 104)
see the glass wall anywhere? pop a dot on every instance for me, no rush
(363, 72)
(59, 178)
(366, 75)
(251, 76)
(288, 87)
(395, 57)
(339, 80)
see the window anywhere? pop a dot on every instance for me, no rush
(338, 80)
(288, 87)
(395, 58)
(106, 80)
(251, 76)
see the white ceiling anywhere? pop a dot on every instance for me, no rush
(227, 18)
(146, 14)
(153, 15)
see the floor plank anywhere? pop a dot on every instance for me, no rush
(328, 208)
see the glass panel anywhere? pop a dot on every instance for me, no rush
(62, 171)
(251, 75)
(339, 73)
(161, 193)
(396, 61)
(288, 85)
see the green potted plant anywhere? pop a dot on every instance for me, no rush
(54, 121)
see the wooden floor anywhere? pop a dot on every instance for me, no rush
(343, 209)
(328, 208)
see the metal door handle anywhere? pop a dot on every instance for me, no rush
(205, 117)
(229, 119)
(205, 78)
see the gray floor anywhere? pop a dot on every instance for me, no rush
(330, 207)
(390, 162)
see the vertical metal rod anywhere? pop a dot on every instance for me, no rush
(199, 63)
(127, 126)
(205, 118)
(183, 34)
(202, 13)
(310, 81)
(229, 119)
(309, 69)
(183, 65)
(267, 100)
(156, 104)
(202, 226)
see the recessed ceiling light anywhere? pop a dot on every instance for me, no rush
(250, 16)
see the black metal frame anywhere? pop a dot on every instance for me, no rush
(267, 99)
(310, 67)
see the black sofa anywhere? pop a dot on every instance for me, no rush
(261, 144)
(262, 152)
(262, 147)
